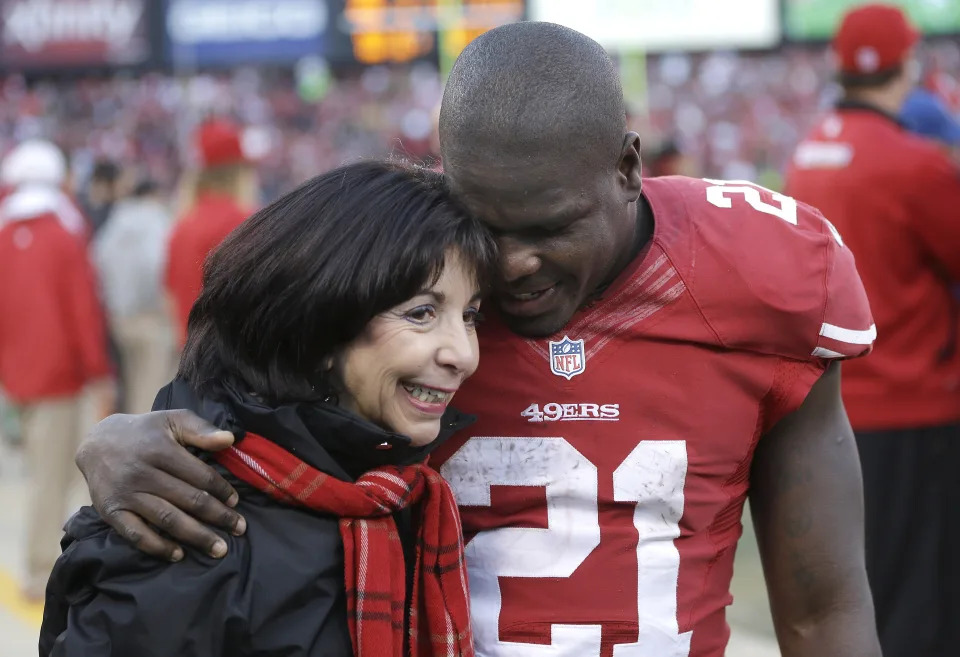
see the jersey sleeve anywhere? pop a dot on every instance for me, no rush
(773, 276)
(847, 330)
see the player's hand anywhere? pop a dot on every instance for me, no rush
(139, 472)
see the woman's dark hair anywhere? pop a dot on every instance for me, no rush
(303, 276)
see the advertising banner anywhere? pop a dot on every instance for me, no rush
(229, 32)
(73, 33)
(665, 25)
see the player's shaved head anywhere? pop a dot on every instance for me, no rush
(525, 88)
(534, 142)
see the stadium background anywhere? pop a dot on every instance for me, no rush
(730, 85)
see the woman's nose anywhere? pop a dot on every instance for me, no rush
(459, 349)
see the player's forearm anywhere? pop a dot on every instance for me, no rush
(848, 632)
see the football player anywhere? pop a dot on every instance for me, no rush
(663, 348)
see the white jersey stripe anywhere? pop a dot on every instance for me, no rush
(826, 353)
(849, 335)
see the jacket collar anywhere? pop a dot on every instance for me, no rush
(35, 201)
(323, 435)
(860, 106)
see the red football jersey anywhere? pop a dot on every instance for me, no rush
(603, 485)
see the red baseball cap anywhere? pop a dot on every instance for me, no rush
(872, 38)
(218, 142)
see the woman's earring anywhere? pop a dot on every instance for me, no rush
(330, 397)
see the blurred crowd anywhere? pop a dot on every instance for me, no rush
(296, 126)
(733, 115)
(740, 116)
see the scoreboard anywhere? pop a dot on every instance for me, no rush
(384, 31)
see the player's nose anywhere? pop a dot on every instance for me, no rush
(517, 259)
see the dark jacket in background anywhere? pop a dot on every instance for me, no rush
(279, 591)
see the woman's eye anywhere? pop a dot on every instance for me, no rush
(472, 317)
(421, 314)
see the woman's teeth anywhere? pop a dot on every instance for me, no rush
(427, 395)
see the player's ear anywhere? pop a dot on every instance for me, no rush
(629, 167)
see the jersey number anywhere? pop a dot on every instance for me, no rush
(717, 195)
(652, 477)
(718, 191)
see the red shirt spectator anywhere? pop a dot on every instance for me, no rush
(893, 198)
(52, 336)
(225, 183)
(196, 234)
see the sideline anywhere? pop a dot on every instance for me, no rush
(11, 601)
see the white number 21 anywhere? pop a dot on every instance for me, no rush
(716, 194)
(652, 476)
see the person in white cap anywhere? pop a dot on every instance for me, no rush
(53, 344)
(34, 175)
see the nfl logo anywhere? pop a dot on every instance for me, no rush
(568, 357)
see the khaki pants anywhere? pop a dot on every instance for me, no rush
(147, 356)
(52, 430)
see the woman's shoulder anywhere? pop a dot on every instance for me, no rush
(96, 556)
(276, 535)
(282, 580)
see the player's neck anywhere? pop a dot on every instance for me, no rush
(643, 233)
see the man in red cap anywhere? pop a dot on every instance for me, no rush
(894, 199)
(224, 193)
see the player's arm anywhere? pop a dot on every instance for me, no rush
(807, 503)
(139, 472)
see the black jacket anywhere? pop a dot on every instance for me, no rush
(279, 591)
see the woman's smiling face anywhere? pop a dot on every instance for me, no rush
(404, 369)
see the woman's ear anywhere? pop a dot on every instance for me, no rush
(329, 379)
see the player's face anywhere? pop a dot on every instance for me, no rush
(562, 230)
(402, 372)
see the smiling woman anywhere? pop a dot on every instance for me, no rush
(333, 330)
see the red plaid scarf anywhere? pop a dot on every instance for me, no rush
(374, 568)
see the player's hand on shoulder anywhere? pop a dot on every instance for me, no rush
(139, 472)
